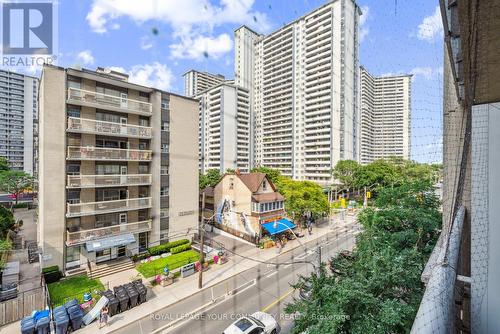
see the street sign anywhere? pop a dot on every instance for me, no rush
(165, 270)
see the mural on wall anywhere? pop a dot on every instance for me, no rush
(236, 220)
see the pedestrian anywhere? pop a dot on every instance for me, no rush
(309, 227)
(278, 246)
(103, 319)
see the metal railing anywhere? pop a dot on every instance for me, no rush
(95, 181)
(104, 153)
(436, 311)
(103, 100)
(85, 125)
(74, 238)
(93, 208)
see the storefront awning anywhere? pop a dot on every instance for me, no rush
(278, 226)
(114, 241)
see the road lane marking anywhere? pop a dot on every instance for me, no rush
(272, 274)
(278, 300)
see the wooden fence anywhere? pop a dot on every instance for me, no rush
(26, 302)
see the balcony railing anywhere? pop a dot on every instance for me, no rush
(100, 100)
(95, 181)
(104, 153)
(78, 237)
(84, 125)
(96, 208)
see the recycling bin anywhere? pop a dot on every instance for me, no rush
(61, 323)
(70, 303)
(27, 326)
(132, 294)
(76, 317)
(43, 325)
(60, 309)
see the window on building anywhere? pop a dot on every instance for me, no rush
(165, 126)
(264, 184)
(164, 170)
(164, 103)
(73, 111)
(163, 213)
(164, 148)
(164, 191)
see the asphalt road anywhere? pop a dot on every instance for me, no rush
(266, 287)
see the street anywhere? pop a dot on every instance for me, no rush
(265, 287)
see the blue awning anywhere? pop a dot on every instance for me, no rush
(114, 241)
(278, 226)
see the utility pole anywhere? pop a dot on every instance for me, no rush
(365, 200)
(318, 268)
(202, 242)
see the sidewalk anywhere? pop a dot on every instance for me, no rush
(186, 287)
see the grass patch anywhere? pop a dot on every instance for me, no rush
(73, 287)
(173, 261)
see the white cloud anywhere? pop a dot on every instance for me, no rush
(431, 27)
(363, 29)
(146, 43)
(427, 73)
(155, 75)
(201, 46)
(192, 21)
(85, 57)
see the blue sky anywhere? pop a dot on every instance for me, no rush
(156, 41)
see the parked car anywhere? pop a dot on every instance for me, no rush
(305, 290)
(257, 323)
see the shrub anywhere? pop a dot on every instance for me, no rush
(139, 257)
(181, 248)
(51, 274)
(165, 248)
(175, 261)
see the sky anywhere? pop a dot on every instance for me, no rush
(156, 41)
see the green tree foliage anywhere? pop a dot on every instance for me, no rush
(210, 178)
(7, 221)
(377, 289)
(346, 172)
(15, 182)
(273, 174)
(4, 164)
(302, 197)
(384, 172)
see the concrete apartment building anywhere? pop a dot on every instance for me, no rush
(196, 82)
(306, 93)
(385, 117)
(224, 128)
(18, 120)
(118, 167)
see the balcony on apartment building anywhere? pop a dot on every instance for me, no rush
(104, 101)
(92, 126)
(109, 154)
(96, 208)
(81, 236)
(96, 181)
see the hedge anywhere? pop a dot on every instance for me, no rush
(181, 248)
(165, 248)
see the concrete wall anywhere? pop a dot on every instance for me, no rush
(228, 129)
(52, 152)
(183, 171)
(240, 194)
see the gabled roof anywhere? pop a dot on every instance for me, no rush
(253, 180)
(268, 197)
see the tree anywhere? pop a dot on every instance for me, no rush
(273, 174)
(4, 164)
(210, 178)
(7, 221)
(15, 182)
(346, 171)
(302, 197)
(377, 289)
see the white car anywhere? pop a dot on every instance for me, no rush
(257, 323)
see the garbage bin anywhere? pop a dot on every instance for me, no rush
(27, 325)
(113, 305)
(142, 290)
(61, 322)
(60, 309)
(76, 317)
(43, 325)
(70, 303)
(133, 295)
(123, 298)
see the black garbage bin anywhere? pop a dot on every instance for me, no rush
(28, 326)
(61, 322)
(43, 325)
(113, 305)
(123, 298)
(76, 317)
(133, 295)
(142, 290)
